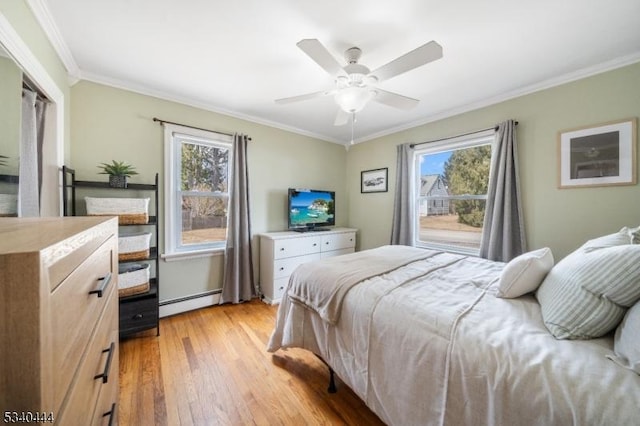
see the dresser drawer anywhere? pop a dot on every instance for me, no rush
(279, 286)
(106, 412)
(288, 247)
(333, 253)
(338, 241)
(77, 311)
(101, 358)
(284, 267)
(138, 314)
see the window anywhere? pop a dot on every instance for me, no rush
(197, 172)
(451, 194)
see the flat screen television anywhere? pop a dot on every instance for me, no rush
(311, 209)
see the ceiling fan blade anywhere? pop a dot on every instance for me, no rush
(316, 51)
(342, 118)
(422, 55)
(395, 100)
(306, 96)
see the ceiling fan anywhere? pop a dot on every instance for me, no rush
(356, 84)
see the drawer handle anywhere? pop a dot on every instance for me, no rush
(315, 244)
(111, 413)
(105, 374)
(137, 317)
(281, 248)
(282, 268)
(105, 282)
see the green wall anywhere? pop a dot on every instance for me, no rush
(103, 123)
(561, 219)
(112, 124)
(10, 113)
(27, 41)
(19, 15)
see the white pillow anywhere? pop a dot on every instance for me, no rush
(622, 237)
(626, 344)
(523, 274)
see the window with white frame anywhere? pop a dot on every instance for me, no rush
(451, 193)
(197, 176)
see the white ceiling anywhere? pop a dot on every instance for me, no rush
(237, 57)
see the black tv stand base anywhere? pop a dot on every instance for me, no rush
(310, 229)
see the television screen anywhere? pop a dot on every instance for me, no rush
(310, 209)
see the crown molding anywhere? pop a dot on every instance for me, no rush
(147, 91)
(22, 55)
(526, 90)
(43, 15)
(20, 52)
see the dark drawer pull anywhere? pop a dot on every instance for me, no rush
(111, 413)
(137, 317)
(105, 282)
(107, 366)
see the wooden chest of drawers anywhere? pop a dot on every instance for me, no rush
(59, 319)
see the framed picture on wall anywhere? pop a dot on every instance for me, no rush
(600, 155)
(374, 180)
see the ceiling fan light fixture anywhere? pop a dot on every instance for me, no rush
(354, 99)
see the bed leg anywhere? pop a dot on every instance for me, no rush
(332, 382)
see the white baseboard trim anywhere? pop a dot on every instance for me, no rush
(179, 306)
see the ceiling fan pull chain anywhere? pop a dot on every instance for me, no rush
(353, 121)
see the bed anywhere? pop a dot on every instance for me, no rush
(426, 337)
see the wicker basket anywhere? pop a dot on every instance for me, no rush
(130, 211)
(8, 205)
(134, 246)
(133, 278)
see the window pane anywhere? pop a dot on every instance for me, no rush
(466, 171)
(452, 200)
(458, 224)
(204, 220)
(204, 168)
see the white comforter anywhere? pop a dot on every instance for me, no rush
(428, 343)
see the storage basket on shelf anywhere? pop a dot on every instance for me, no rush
(133, 278)
(8, 205)
(134, 246)
(130, 211)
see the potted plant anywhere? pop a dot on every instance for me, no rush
(118, 172)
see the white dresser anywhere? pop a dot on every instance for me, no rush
(59, 320)
(282, 252)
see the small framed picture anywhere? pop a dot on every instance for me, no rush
(601, 155)
(374, 180)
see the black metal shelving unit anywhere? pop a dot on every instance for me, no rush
(138, 312)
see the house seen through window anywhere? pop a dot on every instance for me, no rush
(451, 193)
(198, 189)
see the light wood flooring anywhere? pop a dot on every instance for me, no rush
(210, 367)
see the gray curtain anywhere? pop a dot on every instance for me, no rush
(403, 226)
(31, 139)
(238, 274)
(503, 229)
